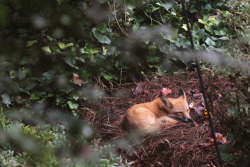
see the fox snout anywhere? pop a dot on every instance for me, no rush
(182, 118)
(187, 119)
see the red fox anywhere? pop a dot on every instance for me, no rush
(162, 112)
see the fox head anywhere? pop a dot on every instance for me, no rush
(177, 108)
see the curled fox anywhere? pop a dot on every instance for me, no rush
(162, 112)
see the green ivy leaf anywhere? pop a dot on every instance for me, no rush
(226, 13)
(208, 6)
(184, 26)
(220, 32)
(63, 46)
(46, 49)
(6, 99)
(74, 96)
(213, 21)
(193, 10)
(104, 50)
(93, 51)
(50, 95)
(80, 59)
(202, 21)
(107, 76)
(84, 75)
(167, 5)
(30, 43)
(60, 100)
(36, 95)
(101, 38)
(71, 62)
(224, 38)
(49, 75)
(72, 106)
(210, 42)
(155, 9)
(89, 50)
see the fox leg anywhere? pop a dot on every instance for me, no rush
(143, 119)
(166, 121)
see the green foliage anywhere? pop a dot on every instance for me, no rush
(54, 146)
(5, 123)
(238, 108)
(45, 42)
(55, 52)
(9, 158)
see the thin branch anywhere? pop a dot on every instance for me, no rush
(126, 34)
(152, 18)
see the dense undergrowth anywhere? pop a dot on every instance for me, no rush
(55, 55)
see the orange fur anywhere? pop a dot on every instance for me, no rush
(162, 112)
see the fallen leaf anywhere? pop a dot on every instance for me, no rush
(76, 76)
(18, 99)
(166, 91)
(183, 147)
(216, 83)
(219, 95)
(76, 80)
(6, 99)
(220, 138)
(218, 135)
(197, 94)
(138, 89)
(199, 110)
(206, 144)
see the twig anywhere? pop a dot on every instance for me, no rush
(201, 84)
(119, 23)
(151, 18)
(121, 76)
(237, 100)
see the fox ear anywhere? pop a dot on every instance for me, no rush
(182, 94)
(166, 102)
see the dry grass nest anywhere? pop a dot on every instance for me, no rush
(181, 145)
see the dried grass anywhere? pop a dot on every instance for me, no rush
(180, 145)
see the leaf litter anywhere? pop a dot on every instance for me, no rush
(183, 144)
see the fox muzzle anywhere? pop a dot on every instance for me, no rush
(184, 119)
(187, 120)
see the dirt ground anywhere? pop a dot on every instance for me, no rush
(181, 145)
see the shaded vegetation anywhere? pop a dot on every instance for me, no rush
(61, 58)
